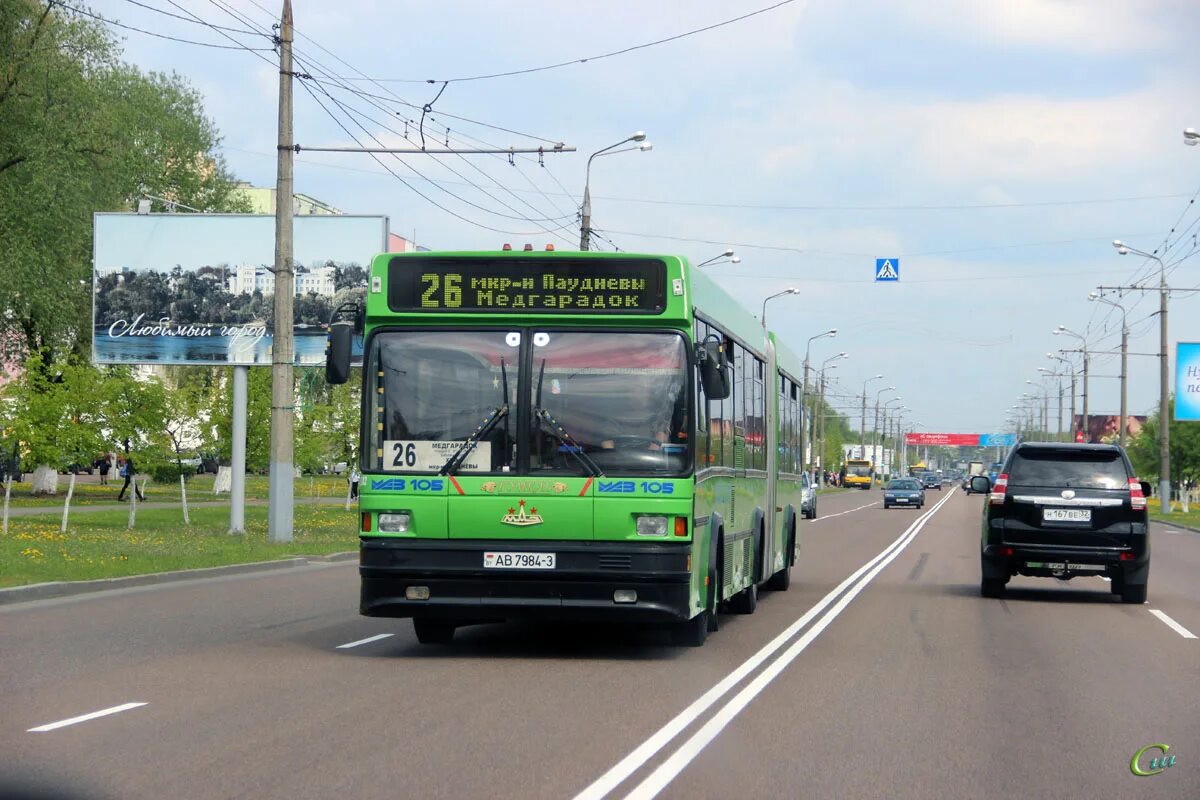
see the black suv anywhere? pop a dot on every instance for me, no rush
(1064, 510)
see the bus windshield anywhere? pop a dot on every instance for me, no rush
(595, 401)
(621, 397)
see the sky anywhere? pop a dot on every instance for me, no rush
(995, 147)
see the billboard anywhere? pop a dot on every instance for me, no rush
(199, 288)
(943, 439)
(1187, 381)
(1106, 428)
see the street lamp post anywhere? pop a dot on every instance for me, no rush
(862, 424)
(804, 394)
(1164, 385)
(1070, 367)
(1098, 297)
(769, 298)
(1064, 331)
(819, 419)
(875, 426)
(1052, 374)
(585, 226)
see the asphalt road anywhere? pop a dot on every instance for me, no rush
(880, 673)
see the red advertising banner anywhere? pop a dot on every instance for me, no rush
(943, 439)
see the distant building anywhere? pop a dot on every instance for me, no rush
(249, 278)
(262, 201)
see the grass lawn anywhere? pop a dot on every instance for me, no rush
(199, 488)
(99, 545)
(1191, 519)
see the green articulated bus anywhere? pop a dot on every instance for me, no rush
(568, 435)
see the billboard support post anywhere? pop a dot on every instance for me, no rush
(237, 493)
(279, 509)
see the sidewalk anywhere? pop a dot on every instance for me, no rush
(28, 511)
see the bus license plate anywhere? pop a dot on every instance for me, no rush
(1066, 515)
(518, 560)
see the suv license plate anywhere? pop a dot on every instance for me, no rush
(518, 560)
(1066, 515)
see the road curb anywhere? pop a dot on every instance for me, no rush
(1179, 525)
(43, 591)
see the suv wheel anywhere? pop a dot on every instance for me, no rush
(1133, 593)
(992, 587)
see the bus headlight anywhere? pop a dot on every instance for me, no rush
(395, 523)
(652, 526)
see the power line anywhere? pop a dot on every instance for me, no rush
(349, 110)
(192, 20)
(117, 24)
(586, 59)
(339, 82)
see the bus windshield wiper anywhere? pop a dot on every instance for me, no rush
(569, 444)
(460, 455)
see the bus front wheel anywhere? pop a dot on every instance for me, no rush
(433, 631)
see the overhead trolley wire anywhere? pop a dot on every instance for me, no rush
(116, 23)
(586, 59)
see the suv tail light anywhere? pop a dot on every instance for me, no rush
(1136, 498)
(996, 498)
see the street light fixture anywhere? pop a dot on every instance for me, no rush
(585, 226)
(728, 254)
(1190, 137)
(1164, 384)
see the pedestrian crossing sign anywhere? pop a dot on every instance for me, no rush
(887, 269)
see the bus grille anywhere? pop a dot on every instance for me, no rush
(615, 561)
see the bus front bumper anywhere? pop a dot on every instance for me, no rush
(580, 586)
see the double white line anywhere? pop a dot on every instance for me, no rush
(666, 772)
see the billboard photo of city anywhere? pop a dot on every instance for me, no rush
(199, 288)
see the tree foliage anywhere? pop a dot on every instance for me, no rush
(1184, 449)
(83, 132)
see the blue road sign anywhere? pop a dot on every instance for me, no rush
(887, 269)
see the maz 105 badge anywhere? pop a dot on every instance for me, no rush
(429, 456)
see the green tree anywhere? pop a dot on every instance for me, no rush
(83, 132)
(55, 415)
(1184, 447)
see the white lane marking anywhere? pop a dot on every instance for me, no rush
(83, 718)
(663, 736)
(1173, 625)
(367, 640)
(851, 511)
(669, 769)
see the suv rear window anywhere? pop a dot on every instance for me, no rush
(1067, 468)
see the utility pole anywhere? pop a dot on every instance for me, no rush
(1060, 404)
(279, 510)
(862, 424)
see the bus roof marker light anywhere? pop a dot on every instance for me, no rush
(528, 247)
(506, 246)
(550, 247)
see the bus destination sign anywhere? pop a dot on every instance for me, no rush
(541, 285)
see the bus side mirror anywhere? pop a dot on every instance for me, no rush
(714, 371)
(337, 352)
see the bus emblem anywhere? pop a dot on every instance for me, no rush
(489, 486)
(518, 516)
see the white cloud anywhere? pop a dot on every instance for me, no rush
(1074, 25)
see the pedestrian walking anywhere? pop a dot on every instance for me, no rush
(354, 478)
(129, 473)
